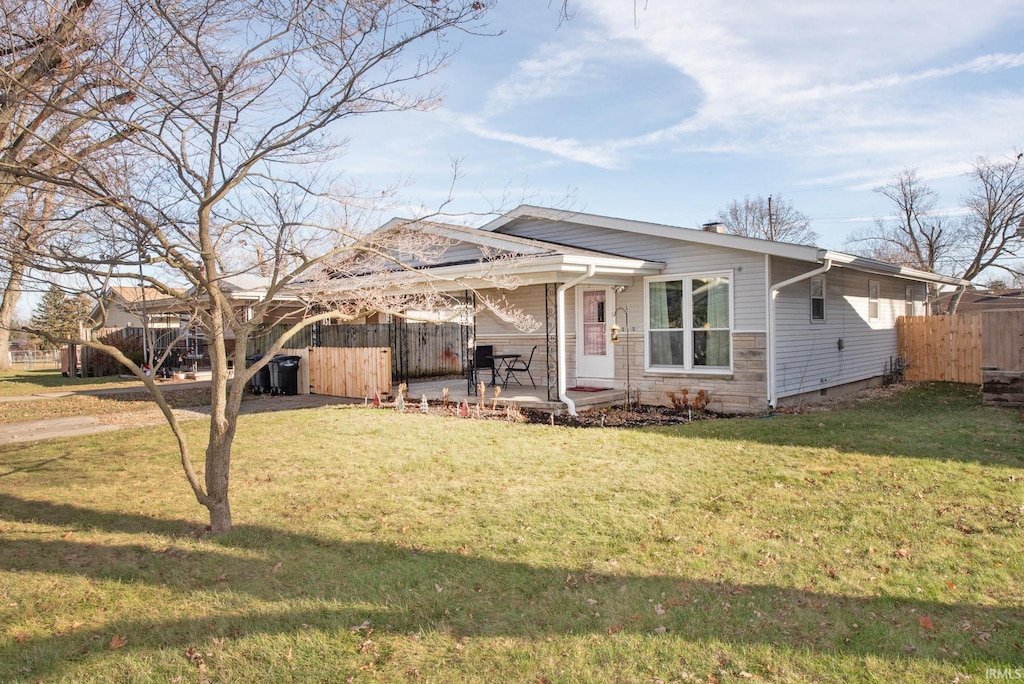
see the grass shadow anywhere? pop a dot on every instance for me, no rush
(287, 582)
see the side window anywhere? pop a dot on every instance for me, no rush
(909, 308)
(818, 298)
(873, 290)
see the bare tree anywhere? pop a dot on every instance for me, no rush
(228, 175)
(22, 223)
(917, 235)
(773, 219)
(914, 235)
(991, 230)
(55, 79)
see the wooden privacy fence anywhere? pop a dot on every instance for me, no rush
(1003, 340)
(417, 349)
(944, 348)
(349, 372)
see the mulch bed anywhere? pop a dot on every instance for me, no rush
(637, 416)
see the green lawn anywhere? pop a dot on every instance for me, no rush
(880, 543)
(19, 382)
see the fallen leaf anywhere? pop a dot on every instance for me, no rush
(902, 553)
(21, 637)
(278, 566)
(68, 535)
(659, 609)
(952, 587)
(926, 622)
(117, 642)
(359, 628)
(438, 588)
(660, 629)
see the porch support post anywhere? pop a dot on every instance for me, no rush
(560, 303)
(550, 340)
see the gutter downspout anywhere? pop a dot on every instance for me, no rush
(560, 339)
(773, 397)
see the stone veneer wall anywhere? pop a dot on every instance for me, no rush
(744, 391)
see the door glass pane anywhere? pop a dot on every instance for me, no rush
(594, 329)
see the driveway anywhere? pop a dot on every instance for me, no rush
(80, 426)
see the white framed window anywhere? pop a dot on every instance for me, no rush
(909, 299)
(873, 293)
(817, 285)
(689, 322)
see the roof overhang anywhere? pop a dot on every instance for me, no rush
(884, 268)
(511, 273)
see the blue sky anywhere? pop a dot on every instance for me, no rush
(669, 110)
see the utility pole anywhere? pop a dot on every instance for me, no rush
(771, 221)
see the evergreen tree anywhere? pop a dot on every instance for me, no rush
(56, 315)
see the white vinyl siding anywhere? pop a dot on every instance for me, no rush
(747, 268)
(809, 357)
(528, 299)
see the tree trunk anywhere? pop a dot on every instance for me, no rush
(220, 515)
(12, 293)
(954, 301)
(218, 453)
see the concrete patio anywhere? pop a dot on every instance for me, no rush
(523, 397)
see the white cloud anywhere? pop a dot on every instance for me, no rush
(812, 77)
(567, 148)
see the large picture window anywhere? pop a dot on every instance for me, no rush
(689, 322)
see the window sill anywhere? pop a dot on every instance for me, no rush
(724, 373)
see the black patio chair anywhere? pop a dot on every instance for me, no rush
(481, 361)
(520, 366)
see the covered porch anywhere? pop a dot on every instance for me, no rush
(527, 397)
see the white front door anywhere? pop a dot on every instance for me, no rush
(595, 357)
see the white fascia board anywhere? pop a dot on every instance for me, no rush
(531, 270)
(779, 249)
(884, 268)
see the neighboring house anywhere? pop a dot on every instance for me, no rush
(753, 323)
(986, 301)
(124, 307)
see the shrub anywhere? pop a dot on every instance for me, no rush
(130, 345)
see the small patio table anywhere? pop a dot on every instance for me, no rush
(501, 365)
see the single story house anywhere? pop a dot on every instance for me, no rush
(123, 306)
(657, 309)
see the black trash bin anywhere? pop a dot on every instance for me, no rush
(260, 381)
(284, 374)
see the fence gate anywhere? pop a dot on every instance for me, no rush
(943, 348)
